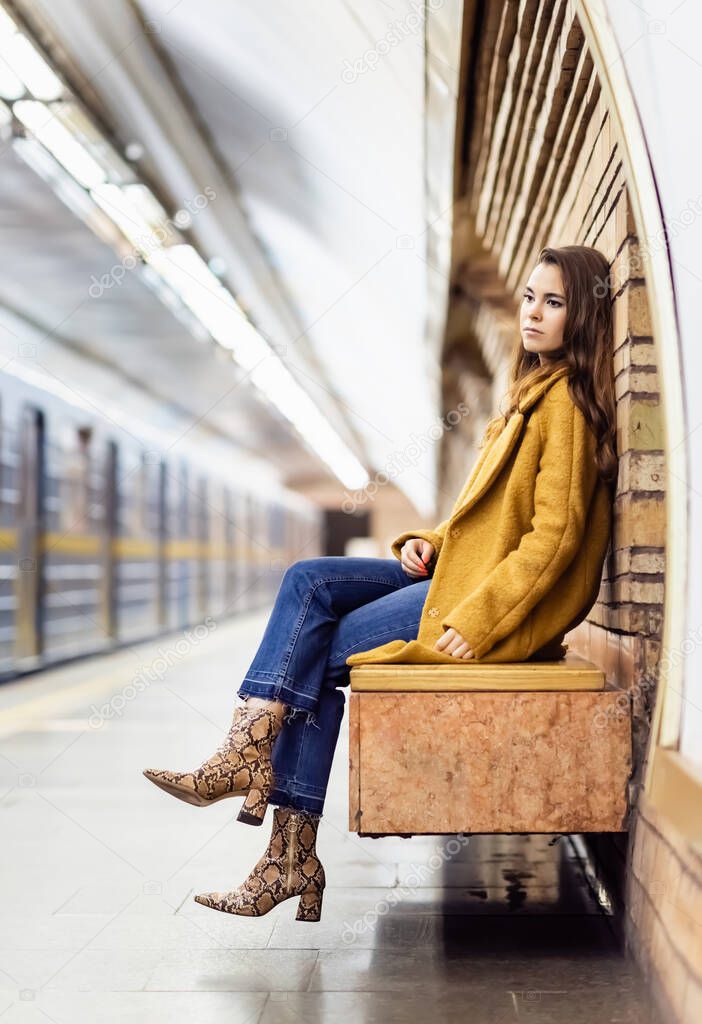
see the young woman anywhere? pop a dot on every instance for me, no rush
(516, 565)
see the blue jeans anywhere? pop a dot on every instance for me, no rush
(326, 609)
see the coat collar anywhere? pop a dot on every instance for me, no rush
(497, 453)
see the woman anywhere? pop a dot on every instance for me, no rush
(516, 565)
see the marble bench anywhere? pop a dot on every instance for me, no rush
(526, 747)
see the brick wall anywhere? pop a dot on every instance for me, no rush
(539, 164)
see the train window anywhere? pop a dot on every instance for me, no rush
(68, 471)
(151, 510)
(135, 499)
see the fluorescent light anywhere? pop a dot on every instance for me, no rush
(182, 267)
(87, 133)
(135, 211)
(247, 345)
(25, 64)
(28, 64)
(66, 188)
(280, 387)
(39, 119)
(11, 88)
(143, 199)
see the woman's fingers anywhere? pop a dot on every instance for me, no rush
(453, 643)
(412, 560)
(410, 568)
(416, 559)
(443, 640)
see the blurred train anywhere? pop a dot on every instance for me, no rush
(105, 541)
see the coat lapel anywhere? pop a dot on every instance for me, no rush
(501, 448)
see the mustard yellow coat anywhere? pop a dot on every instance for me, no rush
(520, 558)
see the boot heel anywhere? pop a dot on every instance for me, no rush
(310, 906)
(253, 809)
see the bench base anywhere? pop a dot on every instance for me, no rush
(431, 763)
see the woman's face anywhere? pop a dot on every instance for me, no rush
(543, 309)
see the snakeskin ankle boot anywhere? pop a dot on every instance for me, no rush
(240, 767)
(289, 867)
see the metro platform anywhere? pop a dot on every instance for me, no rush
(99, 921)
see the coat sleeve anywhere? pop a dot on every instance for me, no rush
(435, 537)
(563, 489)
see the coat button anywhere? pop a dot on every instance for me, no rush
(433, 611)
(455, 531)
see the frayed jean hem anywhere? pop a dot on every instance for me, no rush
(297, 703)
(301, 803)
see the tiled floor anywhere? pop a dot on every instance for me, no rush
(99, 869)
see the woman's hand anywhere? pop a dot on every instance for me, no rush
(414, 555)
(453, 643)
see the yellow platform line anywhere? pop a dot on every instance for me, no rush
(102, 680)
(17, 718)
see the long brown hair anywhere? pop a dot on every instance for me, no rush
(587, 352)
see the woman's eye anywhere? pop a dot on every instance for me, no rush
(555, 302)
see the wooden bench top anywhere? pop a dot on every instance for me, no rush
(570, 673)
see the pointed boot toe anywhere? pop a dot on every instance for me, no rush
(288, 867)
(209, 899)
(180, 784)
(241, 766)
(228, 902)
